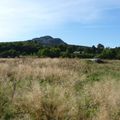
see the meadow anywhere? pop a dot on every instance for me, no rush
(59, 89)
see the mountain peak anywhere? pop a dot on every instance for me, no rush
(49, 41)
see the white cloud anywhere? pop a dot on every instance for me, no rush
(21, 16)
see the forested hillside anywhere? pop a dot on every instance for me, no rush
(54, 47)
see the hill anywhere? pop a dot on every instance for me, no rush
(48, 41)
(48, 46)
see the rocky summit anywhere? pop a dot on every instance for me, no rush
(49, 41)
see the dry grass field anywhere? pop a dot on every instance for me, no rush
(59, 89)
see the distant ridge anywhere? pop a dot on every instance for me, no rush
(48, 41)
(48, 46)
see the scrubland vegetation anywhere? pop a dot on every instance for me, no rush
(59, 89)
(47, 46)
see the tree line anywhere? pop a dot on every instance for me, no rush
(27, 48)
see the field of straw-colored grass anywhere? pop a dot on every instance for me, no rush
(59, 89)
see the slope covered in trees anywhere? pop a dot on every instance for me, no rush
(54, 47)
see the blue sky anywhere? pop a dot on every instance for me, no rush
(83, 22)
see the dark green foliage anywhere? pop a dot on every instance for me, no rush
(94, 49)
(16, 49)
(54, 52)
(44, 52)
(107, 54)
(39, 47)
(100, 48)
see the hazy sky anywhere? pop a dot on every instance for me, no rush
(83, 22)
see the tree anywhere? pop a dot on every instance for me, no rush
(54, 52)
(100, 48)
(94, 49)
(45, 52)
(9, 53)
(107, 54)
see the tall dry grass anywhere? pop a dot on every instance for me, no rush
(59, 89)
